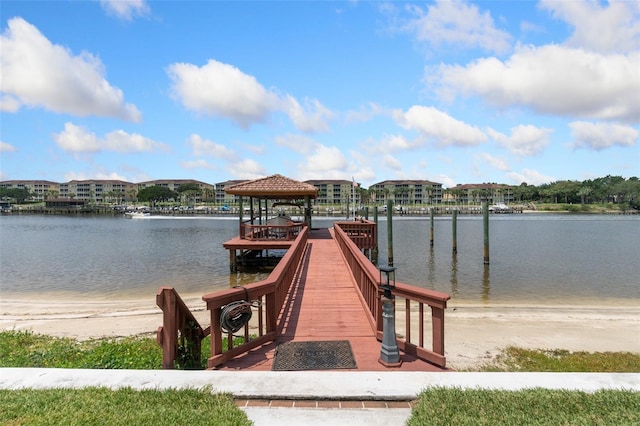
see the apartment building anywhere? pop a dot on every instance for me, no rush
(406, 192)
(99, 191)
(481, 192)
(224, 198)
(41, 189)
(337, 192)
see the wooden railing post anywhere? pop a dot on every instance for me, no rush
(167, 334)
(179, 329)
(437, 321)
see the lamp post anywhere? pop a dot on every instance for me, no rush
(389, 353)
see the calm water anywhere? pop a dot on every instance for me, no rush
(533, 258)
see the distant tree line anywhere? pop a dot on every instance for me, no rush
(154, 194)
(608, 189)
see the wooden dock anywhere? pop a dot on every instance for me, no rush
(324, 304)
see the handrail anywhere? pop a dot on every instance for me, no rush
(367, 276)
(362, 232)
(270, 232)
(271, 294)
(180, 334)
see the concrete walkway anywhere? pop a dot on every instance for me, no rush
(377, 392)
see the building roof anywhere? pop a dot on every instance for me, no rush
(273, 187)
(481, 186)
(406, 182)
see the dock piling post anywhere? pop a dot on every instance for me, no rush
(431, 220)
(454, 231)
(485, 214)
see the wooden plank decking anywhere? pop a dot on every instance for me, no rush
(324, 305)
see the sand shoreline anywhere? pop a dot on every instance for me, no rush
(475, 333)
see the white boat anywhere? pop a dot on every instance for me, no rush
(499, 207)
(136, 215)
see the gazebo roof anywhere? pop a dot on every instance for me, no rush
(273, 187)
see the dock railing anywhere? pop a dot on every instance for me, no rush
(180, 335)
(414, 338)
(249, 231)
(362, 232)
(268, 295)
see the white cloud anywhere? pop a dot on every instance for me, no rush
(297, 143)
(247, 169)
(599, 136)
(365, 113)
(326, 158)
(37, 73)
(314, 117)
(610, 28)
(552, 80)
(324, 163)
(524, 139)
(493, 162)
(95, 174)
(7, 147)
(446, 181)
(395, 143)
(126, 9)
(392, 162)
(459, 24)
(205, 147)
(219, 89)
(530, 177)
(440, 126)
(222, 90)
(197, 164)
(76, 139)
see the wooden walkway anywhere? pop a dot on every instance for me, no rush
(324, 305)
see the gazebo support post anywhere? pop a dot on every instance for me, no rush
(307, 211)
(240, 197)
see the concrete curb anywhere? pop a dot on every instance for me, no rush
(328, 385)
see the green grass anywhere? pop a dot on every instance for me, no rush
(518, 360)
(101, 406)
(438, 406)
(26, 349)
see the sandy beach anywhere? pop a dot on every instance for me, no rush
(474, 333)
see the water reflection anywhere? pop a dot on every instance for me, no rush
(432, 265)
(486, 284)
(454, 275)
(248, 276)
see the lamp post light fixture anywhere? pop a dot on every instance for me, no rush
(389, 353)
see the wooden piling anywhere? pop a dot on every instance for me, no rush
(431, 220)
(485, 214)
(454, 231)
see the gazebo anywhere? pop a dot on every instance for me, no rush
(270, 193)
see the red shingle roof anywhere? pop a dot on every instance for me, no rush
(275, 187)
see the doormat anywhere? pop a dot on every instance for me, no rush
(321, 355)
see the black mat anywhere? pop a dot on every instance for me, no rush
(322, 355)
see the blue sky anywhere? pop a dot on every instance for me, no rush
(454, 92)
